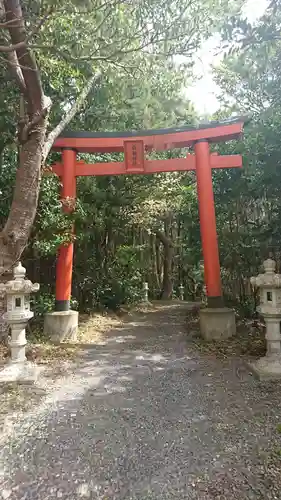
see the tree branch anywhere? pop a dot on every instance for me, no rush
(167, 242)
(34, 90)
(6, 23)
(12, 48)
(16, 71)
(12, 23)
(69, 115)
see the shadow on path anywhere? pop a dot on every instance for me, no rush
(145, 417)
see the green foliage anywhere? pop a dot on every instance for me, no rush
(278, 428)
(121, 223)
(42, 303)
(248, 201)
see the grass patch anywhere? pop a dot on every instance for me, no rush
(278, 428)
(16, 397)
(93, 329)
(96, 328)
(40, 350)
(249, 340)
(48, 353)
(45, 352)
(40, 353)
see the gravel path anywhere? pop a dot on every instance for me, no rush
(146, 417)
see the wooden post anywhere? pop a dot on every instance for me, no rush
(208, 224)
(65, 253)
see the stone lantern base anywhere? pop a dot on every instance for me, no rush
(217, 323)
(22, 373)
(267, 368)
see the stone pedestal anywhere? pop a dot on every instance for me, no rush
(217, 323)
(145, 292)
(17, 315)
(22, 373)
(18, 342)
(269, 283)
(4, 327)
(61, 326)
(267, 368)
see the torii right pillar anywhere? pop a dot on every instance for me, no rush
(216, 321)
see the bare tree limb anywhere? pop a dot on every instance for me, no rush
(16, 71)
(14, 62)
(34, 90)
(68, 116)
(6, 24)
(12, 23)
(12, 48)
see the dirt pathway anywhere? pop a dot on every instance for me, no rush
(146, 417)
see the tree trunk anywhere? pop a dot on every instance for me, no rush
(14, 237)
(159, 266)
(4, 328)
(167, 283)
(155, 260)
(34, 145)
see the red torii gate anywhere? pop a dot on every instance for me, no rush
(135, 145)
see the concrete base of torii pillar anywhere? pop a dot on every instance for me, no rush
(61, 326)
(217, 323)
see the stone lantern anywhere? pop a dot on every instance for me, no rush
(17, 315)
(181, 290)
(145, 292)
(269, 284)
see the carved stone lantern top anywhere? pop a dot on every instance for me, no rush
(18, 292)
(270, 294)
(269, 265)
(269, 279)
(19, 284)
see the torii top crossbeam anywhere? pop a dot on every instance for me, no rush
(158, 139)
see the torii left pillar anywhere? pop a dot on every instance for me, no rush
(62, 324)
